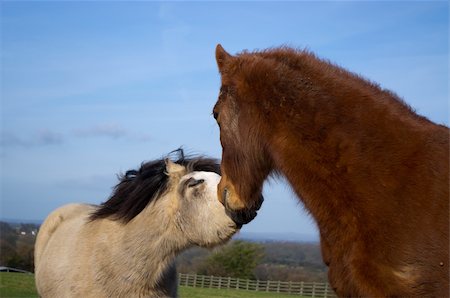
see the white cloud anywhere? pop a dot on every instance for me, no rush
(112, 131)
(48, 137)
(41, 138)
(102, 130)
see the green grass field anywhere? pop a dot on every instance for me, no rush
(188, 292)
(17, 285)
(22, 285)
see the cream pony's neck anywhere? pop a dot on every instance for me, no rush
(144, 255)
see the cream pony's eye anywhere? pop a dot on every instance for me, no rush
(194, 182)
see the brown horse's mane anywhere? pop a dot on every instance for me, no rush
(137, 188)
(303, 61)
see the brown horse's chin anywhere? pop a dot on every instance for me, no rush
(236, 208)
(243, 216)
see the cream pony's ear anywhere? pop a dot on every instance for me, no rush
(173, 169)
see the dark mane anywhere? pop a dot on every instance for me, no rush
(307, 63)
(139, 187)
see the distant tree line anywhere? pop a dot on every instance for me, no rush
(239, 259)
(17, 245)
(284, 261)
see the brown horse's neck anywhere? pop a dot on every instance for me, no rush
(366, 171)
(344, 154)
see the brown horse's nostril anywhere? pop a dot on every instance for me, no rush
(225, 195)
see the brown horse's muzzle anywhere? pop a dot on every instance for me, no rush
(236, 208)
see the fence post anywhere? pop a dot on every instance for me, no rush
(186, 280)
(203, 281)
(237, 283)
(257, 285)
(314, 290)
(210, 281)
(278, 287)
(247, 284)
(301, 288)
(267, 285)
(195, 280)
(325, 294)
(290, 287)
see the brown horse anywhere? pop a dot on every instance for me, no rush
(373, 174)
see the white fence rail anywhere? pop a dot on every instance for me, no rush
(9, 269)
(308, 289)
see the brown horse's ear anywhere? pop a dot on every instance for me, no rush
(173, 169)
(222, 57)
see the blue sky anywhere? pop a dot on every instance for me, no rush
(91, 89)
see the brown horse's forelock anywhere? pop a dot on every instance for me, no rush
(137, 188)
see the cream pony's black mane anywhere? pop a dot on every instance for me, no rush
(139, 187)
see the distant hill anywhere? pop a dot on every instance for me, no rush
(282, 260)
(267, 237)
(24, 221)
(17, 245)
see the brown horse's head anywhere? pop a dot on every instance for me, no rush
(245, 161)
